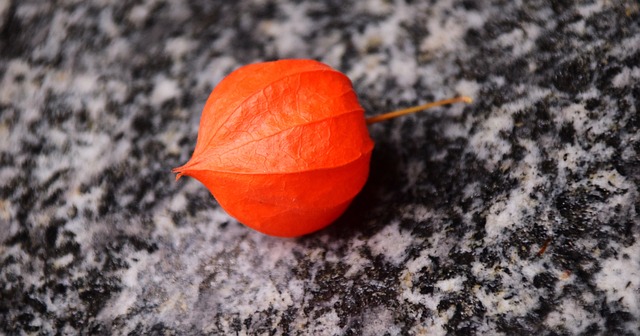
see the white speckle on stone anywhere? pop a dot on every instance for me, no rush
(502, 214)
(369, 70)
(119, 49)
(85, 83)
(507, 303)
(468, 88)
(7, 211)
(430, 327)
(391, 243)
(325, 324)
(418, 213)
(414, 169)
(590, 8)
(214, 72)
(579, 27)
(379, 319)
(530, 268)
(454, 284)
(178, 202)
(118, 90)
(627, 46)
(289, 34)
(121, 305)
(572, 316)
(437, 327)
(592, 92)
(164, 225)
(139, 14)
(331, 48)
(355, 261)
(10, 91)
(138, 262)
(626, 77)
(296, 289)
(487, 143)
(414, 266)
(521, 40)
(619, 277)
(4, 8)
(164, 90)
(107, 25)
(403, 68)
(443, 36)
(376, 7)
(509, 211)
(63, 261)
(56, 34)
(179, 46)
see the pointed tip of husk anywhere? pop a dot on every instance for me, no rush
(186, 168)
(179, 171)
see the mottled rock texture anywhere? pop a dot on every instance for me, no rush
(515, 215)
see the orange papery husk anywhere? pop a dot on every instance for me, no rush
(283, 146)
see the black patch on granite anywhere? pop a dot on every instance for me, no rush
(13, 36)
(261, 322)
(573, 76)
(373, 286)
(561, 6)
(467, 316)
(545, 280)
(567, 133)
(142, 124)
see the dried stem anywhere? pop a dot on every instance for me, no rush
(418, 108)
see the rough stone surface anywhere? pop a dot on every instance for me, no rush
(516, 215)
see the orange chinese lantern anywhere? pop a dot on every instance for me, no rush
(283, 146)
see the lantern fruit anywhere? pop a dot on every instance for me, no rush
(283, 146)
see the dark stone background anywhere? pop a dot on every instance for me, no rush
(516, 214)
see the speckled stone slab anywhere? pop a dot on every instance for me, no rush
(515, 215)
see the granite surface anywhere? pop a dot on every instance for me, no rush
(515, 215)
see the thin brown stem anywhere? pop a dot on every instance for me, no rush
(395, 114)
